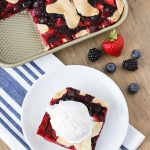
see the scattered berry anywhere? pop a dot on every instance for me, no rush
(130, 64)
(136, 54)
(133, 88)
(94, 54)
(114, 44)
(110, 68)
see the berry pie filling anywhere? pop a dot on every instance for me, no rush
(61, 21)
(73, 120)
(11, 7)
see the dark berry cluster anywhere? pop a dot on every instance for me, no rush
(130, 64)
(3, 5)
(52, 39)
(94, 54)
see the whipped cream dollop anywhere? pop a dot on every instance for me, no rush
(71, 121)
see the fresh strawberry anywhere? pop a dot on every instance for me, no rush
(114, 44)
(110, 2)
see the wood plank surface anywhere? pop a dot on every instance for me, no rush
(136, 32)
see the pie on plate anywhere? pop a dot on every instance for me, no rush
(73, 120)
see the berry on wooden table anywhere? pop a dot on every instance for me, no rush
(114, 44)
(136, 54)
(133, 88)
(94, 54)
(130, 64)
(110, 67)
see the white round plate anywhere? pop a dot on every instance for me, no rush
(85, 79)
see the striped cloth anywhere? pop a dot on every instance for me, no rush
(14, 84)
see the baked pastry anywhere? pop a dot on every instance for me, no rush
(61, 21)
(73, 120)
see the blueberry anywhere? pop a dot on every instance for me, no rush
(110, 68)
(136, 54)
(133, 88)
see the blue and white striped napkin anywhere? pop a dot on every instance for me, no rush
(14, 84)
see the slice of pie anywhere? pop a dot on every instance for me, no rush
(73, 120)
(61, 21)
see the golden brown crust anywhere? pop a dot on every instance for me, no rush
(97, 128)
(81, 33)
(43, 28)
(98, 101)
(63, 142)
(118, 12)
(12, 1)
(85, 9)
(82, 93)
(64, 7)
(84, 145)
(59, 94)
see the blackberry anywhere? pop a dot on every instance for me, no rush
(110, 9)
(79, 28)
(40, 2)
(1, 9)
(27, 4)
(94, 54)
(53, 17)
(95, 18)
(130, 64)
(64, 30)
(52, 39)
(3, 5)
(43, 20)
(51, 24)
(37, 11)
(93, 2)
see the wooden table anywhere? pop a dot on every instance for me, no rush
(136, 32)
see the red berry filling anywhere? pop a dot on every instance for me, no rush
(56, 22)
(96, 111)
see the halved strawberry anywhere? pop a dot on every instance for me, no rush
(114, 44)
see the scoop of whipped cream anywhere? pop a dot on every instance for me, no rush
(71, 121)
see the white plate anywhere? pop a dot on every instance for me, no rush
(85, 79)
